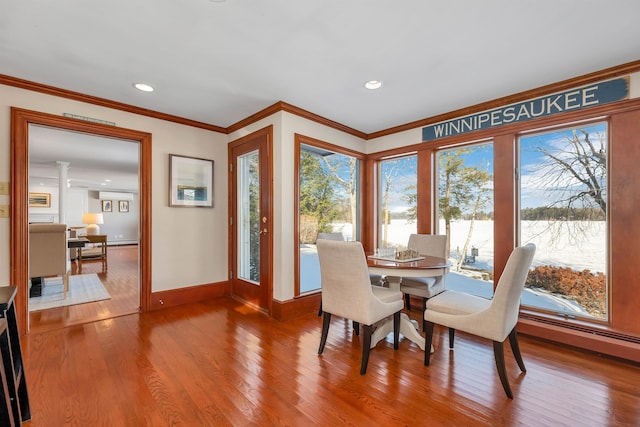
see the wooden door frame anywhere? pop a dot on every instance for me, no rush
(266, 176)
(19, 213)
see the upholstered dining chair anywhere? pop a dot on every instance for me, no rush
(425, 287)
(494, 319)
(48, 253)
(347, 292)
(376, 279)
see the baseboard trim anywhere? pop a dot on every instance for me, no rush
(174, 297)
(583, 340)
(290, 309)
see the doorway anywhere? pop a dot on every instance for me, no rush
(20, 122)
(251, 210)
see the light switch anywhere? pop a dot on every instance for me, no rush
(4, 187)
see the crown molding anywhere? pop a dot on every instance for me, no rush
(76, 96)
(608, 73)
(283, 106)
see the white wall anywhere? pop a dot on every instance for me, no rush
(188, 244)
(120, 227)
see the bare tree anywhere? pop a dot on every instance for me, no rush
(345, 172)
(392, 170)
(478, 178)
(578, 171)
(450, 195)
(461, 189)
(575, 179)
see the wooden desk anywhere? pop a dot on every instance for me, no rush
(100, 239)
(394, 270)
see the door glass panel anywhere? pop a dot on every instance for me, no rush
(398, 205)
(248, 197)
(563, 210)
(329, 203)
(465, 215)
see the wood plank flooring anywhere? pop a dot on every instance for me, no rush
(220, 363)
(120, 279)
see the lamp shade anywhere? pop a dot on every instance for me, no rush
(92, 219)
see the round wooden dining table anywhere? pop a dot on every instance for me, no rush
(394, 270)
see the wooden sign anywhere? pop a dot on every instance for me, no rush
(571, 100)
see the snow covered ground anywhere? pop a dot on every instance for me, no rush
(589, 253)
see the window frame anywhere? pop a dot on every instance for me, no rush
(538, 312)
(299, 141)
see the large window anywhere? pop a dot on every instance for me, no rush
(465, 214)
(329, 202)
(398, 201)
(563, 210)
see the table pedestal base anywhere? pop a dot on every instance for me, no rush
(408, 329)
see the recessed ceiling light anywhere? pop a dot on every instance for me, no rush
(143, 87)
(373, 84)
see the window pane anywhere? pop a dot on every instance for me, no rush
(563, 210)
(248, 168)
(465, 215)
(329, 203)
(398, 201)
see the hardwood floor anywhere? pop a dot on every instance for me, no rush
(219, 363)
(120, 279)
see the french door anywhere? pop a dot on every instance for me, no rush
(250, 208)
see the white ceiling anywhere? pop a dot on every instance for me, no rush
(93, 162)
(219, 62)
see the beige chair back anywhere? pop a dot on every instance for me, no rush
(429, 244)
(47, 250)
(331, 236)
(346, 287)
(505, 305)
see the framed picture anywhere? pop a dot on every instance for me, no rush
(190, 182)
(107, 206)
(39, 200)
(123, 206)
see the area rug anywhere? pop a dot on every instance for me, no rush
(83, 288)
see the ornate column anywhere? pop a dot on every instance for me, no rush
(63, 168)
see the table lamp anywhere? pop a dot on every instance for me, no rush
(92, 219)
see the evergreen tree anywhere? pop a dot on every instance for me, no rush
(317, 194)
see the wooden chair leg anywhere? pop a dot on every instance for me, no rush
(424, 308)
(428, 339)
(452, 335)
(498, 354)
(515, 348)
(366, 348)
(326, 321)
(356, 327)
(407, 300)
(396, 329)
